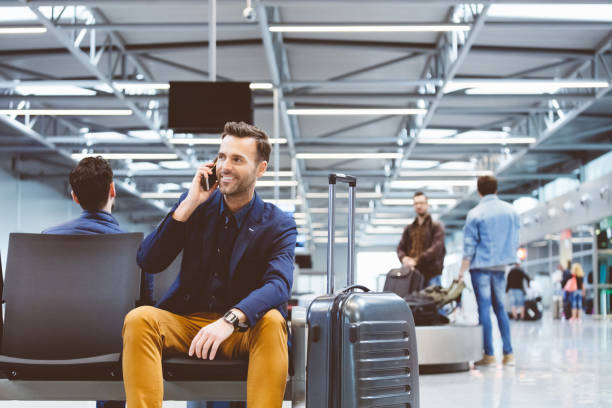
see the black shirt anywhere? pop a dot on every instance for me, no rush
(515, 279)
(216, 294)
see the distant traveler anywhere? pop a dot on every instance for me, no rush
(422, 243)
(575, 290)
(490, 244)
(516, 291)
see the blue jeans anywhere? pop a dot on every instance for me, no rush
(436, 280)
(489, 288)
(576, 299)
(517, 298)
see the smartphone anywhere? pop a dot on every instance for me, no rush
(208, 182)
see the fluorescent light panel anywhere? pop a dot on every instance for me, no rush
(323, 240)
(410, 201)
(212, 141)
(356, 111)
(23, 30)
(159, 196)
(323, 210)
(261, 85)
(366, 28)
(524, 86)
(67, 112)
(392, 221)
(345, 195)
(347, 156)
(419, 164)
(568, 12)
(384, 230)
(433, 184)
(280, 183)
(165, 85)
(127, 156)
(446, 173)
(463, 141)
(295, 201)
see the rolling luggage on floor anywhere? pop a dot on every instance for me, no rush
(361, 345)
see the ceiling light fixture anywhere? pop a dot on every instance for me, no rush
(280, 183)
(366, 28)
(23, 30)
(432, 184)
(261, 85)
(470, 141)
(521, 86)
(67, 112)
(392, 221)
(212, 141)
(355, 111)
(409, 201)
(347, 156)
(446, 173)
(159, 196)
(127, 156)
(359, 210)
(345, 195)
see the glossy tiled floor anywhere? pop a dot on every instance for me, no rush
(558, 364)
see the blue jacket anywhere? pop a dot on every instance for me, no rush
(261, 266)
(491, 233)
(90, 222)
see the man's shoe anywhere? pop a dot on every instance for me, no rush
(509, 360)
(486, 360)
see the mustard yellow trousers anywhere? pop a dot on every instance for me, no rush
(149, 332)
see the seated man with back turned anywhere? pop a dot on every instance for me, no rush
(230, 297)
(93, 189)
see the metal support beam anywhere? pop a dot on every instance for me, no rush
(279, 71)
(84, 60)
(30, 133)
(212, 40)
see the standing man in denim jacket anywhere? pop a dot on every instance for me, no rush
(490, 243)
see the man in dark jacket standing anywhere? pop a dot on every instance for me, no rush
(422, 244)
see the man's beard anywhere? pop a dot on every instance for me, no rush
(239, 187)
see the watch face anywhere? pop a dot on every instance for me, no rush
(230, 317)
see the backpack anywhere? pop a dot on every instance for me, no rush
(403, 281)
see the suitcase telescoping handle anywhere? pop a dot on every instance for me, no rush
(331, 226)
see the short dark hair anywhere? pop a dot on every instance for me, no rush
(241, 129)
(487, 185)
(420, 193)
(90, 181)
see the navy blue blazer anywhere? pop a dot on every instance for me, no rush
(261, 264)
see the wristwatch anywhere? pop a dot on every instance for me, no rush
(232, 319)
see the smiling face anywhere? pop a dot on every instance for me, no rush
(238, 167)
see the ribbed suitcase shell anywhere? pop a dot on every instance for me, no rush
(362, 352)
(362, 348)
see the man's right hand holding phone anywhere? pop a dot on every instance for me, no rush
(197, 194)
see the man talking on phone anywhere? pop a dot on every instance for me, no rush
(229, 300)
